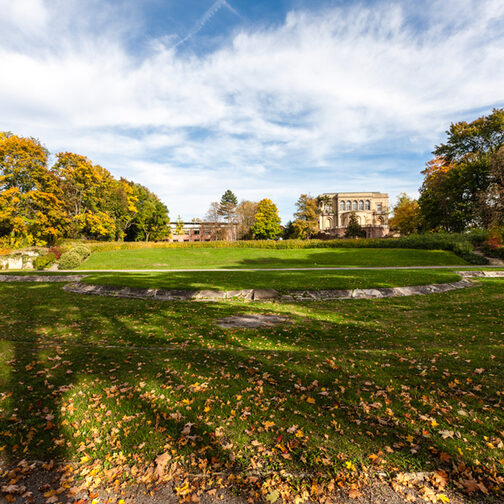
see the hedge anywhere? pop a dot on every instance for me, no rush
(459, 243)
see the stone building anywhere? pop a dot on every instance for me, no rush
(370, 208)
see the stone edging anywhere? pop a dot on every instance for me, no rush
(481, 274)
(262, 294)
(75, 285)
(41, 278)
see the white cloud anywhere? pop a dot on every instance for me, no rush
(267, 114)
(24, 15)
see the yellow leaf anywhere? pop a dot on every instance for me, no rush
(442, 498)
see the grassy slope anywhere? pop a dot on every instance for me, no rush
(405, 379)
(279, 280)
(266, 258)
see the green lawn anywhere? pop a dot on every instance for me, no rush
(280, 280)
(394, 385)
(206, 258)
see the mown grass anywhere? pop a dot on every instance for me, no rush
(280, 280)
(205, 258)
(402, 384)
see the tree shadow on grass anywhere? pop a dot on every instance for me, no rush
(210, 409)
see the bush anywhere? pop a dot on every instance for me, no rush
(465, 251)
(70, 260)
(57, 251)
(459, 243)
(82, 250)
(43, 261)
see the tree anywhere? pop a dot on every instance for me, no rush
(227, 206)
(179, 226)
(467, 141)
(73, 198)
(407, 216)
(245, 218)
(289, 231)
(151, 222)
(459, 175)
(31, 206)
(87, 190)
(491, 201)
(306, 217)
(213, 223)
(267, 221)
(354, 229)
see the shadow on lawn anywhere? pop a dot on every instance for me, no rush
(77, 364)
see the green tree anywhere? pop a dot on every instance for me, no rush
(267, 221)
(151, 221)
(491, 201)
(354, 229)
(289, 231)
(458, 177)
(407, 217)
(227, 205)
(306, 217)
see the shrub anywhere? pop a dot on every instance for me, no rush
(57, 251)
(43, 261)
(82, 250)
(69, 260)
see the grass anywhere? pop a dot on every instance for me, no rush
(208, 258)
(280, 280)
(406, 384)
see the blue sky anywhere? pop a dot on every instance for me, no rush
(267, 98)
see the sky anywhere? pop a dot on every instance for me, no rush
(268, 98)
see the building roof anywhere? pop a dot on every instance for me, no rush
(372, 194)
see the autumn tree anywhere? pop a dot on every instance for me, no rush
(306, 217)
(179, 226)
(267, 221)
(73, 198)
(354, 229)
(407, 216)
(31, 206)
(245, 218)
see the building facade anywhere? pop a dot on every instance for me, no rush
(203, 231)
(370, 208)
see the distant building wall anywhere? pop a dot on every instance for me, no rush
(203, 231)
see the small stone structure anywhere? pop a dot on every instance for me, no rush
(251, 321)
(18, 261)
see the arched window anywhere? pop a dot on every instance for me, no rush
(342, 205)
(349, 205)
(361, 205)
(355, 205)
(379, 207)
(367, 205)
